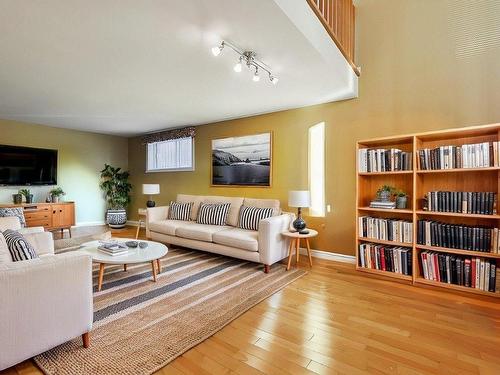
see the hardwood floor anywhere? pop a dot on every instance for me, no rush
(335, 320)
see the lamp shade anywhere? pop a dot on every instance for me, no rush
(150, 189)
(299, 198)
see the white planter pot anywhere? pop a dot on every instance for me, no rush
(116, 219)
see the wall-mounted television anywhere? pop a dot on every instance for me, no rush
(27, 166)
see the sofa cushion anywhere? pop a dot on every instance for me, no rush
(213, 213)
(239, 238)
(168, 226)
(180, 211)
(234, 210)
(199, 232)
(19, 247)
(4, 251)
(14, 211)
(250, 217)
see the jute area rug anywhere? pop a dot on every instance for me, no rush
(140, 326)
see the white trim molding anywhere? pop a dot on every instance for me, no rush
(336, 257)
(89, 223)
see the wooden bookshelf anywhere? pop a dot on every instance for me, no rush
(416, 183)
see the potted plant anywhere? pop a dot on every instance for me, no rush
(384, 193)
(56, 194)
(17, 198)
(116, 187)
(26, 193)
(401, 199)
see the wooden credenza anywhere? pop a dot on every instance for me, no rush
(51, 216)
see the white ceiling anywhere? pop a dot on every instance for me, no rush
(128, 67)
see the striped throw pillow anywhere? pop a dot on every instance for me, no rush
(250, 217)
(19, 247)
(213, 213)
(180, 211)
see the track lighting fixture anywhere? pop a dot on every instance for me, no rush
(249, 58)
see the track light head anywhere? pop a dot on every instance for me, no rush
(256, 77)
(216, 51)
(238, 66)
(274, 80)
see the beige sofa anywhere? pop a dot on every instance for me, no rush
(266, 246)
(44, 301)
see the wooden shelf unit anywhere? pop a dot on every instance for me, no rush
(417, 183)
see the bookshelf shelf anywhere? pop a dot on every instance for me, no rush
(458, 251)
(385, 273)
(458, 170)
(386, 210)
(384, 242)
(455, 214)
(460, 288)
(417, 182)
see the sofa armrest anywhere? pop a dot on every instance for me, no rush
(155, 214)
(27, 230)
(45, 302)
(273, 246)
(42, 242)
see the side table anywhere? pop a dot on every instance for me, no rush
(142, 212)
(295, 238)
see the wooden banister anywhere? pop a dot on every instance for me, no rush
(338, 18)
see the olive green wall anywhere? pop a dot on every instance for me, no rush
(412, 80)
(81, 156)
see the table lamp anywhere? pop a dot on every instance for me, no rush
(150, 189)
(299, 199)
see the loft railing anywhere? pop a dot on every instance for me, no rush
(338, 16)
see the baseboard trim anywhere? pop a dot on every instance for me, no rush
(336, 257)
(89, 223)
(320, 254)
(135, 223)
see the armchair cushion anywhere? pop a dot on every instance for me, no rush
(16, 212)
(4, 251)
(19, 247)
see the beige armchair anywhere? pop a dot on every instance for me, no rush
(45, 301)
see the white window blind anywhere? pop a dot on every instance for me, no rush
(170, 155)
(317, 169)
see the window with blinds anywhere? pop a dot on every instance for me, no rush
(171, 155)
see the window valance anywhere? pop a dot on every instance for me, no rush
(168, 135)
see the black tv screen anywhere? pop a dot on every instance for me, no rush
(27, 166)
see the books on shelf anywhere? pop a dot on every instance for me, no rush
(473, 272)
(467, 202)
(457, 236)
(383, 204)
(476, 155)
(386, 229)
(112, 248)
(386, 258)
(384, 160)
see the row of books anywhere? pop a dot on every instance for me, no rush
(387, 205)
(386, 229)
(457, 236)
(476, 155)
(475, 272)
(384, 160)
(470, 202)
(386, 258)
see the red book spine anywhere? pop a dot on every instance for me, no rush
(372, 251)
(473, 274)
(436, 265)
(382, 257)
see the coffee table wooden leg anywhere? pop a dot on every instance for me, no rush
(309, 252)
(158, 264)
(297, 249)
(101, 275)
(138, 229)
(290, 252)
(153, 266)
(125, 267)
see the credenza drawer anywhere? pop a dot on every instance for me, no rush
(38, 223)
(37, 215)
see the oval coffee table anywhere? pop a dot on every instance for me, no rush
(152, 253)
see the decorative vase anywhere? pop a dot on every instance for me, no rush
(55, 199)
(17, 198)
(384, 196)
(116, 219)
(401, 202)
(29, 198)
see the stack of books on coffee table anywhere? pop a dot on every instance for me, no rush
(383, 204)
(113, 248)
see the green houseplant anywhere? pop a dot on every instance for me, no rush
(26, 193)
(116, 188)
(385, 192)
(401, 199)
(56, 194)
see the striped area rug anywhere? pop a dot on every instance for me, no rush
(140, 326)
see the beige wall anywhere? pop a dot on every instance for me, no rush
(411, 81)
(81, 156)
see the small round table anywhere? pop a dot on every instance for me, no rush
(295, 238)
(152, 253)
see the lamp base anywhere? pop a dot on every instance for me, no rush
(150, 203)
(299, 224)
